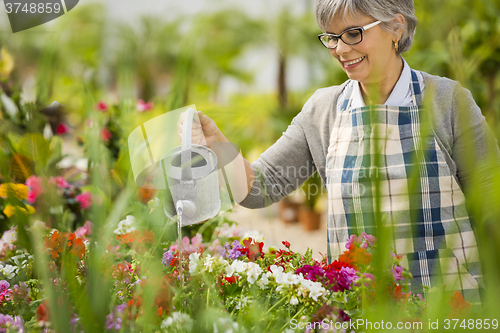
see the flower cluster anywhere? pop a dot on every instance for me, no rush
(58, 242)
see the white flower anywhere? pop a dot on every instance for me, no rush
(9, 236)
(294, 300)
(290, 278)
(226, 325)
(177, 322)
(126, 226)
(194, 260)
(209, 263)
(9, 271)
(255, 235)
(230, 270)
(253, 274)
(242, 302)
(263, 282)
(315, 289)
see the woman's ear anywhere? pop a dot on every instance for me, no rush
(399, 19)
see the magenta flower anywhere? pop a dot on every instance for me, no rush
(60, 182)
(348, 276)
(142, 107)
(85, 199)
(397, 271)
(35, 188)
(101, 106)
(4, 286)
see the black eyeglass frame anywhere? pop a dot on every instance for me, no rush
(360, 29)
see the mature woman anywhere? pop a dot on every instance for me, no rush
(419, 159)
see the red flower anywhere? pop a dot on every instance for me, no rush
(286, 243)
(337, 265)
(101, 106)
(62, 128)
(231, 280)
(105, 134)
(397, 293)
(253, 251)
(42, 313)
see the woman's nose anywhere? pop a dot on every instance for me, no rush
(342, 48)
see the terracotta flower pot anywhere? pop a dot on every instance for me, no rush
(309, 218)
(288, 211)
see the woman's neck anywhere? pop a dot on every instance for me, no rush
(377, 93)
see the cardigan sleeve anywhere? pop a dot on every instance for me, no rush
(283, 167)
(476, 154)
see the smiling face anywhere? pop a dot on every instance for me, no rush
(374, 59)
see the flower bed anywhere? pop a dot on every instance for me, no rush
(229, 283)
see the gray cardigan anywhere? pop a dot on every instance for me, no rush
(459, 127)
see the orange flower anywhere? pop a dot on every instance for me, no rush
(355, 256)
(78, 248)
(145, 194)
(459, 306)
(54, 244)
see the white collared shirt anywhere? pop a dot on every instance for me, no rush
(400, 95)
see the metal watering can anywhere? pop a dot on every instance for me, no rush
(192, 177)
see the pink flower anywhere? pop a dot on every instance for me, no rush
(362, 241)
(216, 247)
(60, 182)
(353, 239)
(35, 185)
(84, 230)
(370, 239)
(189, 246)
(62, 128)
(141, 106)
(398, 272)
(85, 199)
(105, 134)
(101, 106)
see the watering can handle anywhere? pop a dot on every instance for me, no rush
(186, 145)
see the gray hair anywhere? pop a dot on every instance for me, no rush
(380, 10)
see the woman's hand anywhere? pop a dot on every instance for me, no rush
(204, 130)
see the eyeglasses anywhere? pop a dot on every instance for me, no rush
(350, 36)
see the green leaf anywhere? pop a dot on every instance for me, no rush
(35, 147)
(21, 167)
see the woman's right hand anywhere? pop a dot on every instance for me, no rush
(204, 130)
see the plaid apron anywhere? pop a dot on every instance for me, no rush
(419, 197)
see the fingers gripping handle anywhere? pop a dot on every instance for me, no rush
(186, 144)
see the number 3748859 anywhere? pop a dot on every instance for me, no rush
(33, 8)
(471, 324)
